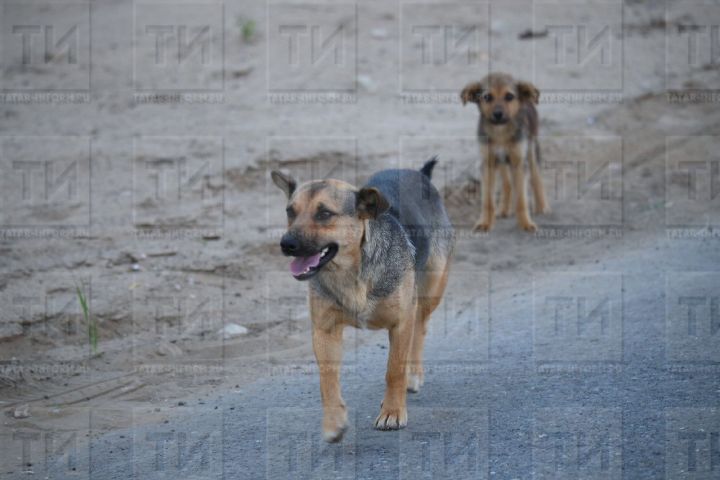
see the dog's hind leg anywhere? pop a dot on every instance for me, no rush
(430, 294)
(518, 174)
(327, 332)
(540, 202)
(506, 199)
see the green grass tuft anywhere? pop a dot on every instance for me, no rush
(247, 29)
(91, 323)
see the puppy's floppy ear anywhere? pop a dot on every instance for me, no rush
(472, 92)
(370, 203)
(528, 92)
(284, 182)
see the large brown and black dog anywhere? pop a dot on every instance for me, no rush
(375, 257)
(508, 134)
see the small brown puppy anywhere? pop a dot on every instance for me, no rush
(507, 132)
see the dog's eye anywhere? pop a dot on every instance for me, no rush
(323, 215)
(509, 97)
(488, 97)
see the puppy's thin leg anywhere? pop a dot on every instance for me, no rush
(487, 220)
(506, 200)
(541, 205)
(429, 296)
(327, 345)
(518, 174)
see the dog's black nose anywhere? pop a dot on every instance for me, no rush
(497, 115)
(289, 244)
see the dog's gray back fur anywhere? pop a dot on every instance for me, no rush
(415, 227)
(416, 206)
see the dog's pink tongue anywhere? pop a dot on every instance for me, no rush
(300, 264)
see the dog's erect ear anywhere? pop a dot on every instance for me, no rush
(284, 182)
(528, 92)
(472, 92)
(371, 203)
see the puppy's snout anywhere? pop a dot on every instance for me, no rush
(498, 114)
(289, 244)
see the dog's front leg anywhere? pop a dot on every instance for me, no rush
(506, 201)
(487, 219)
(327, 330)
(393, 412)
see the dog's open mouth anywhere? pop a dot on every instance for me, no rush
(303, 268)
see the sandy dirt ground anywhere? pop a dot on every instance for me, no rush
(169, 225)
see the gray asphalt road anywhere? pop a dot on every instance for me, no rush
(607, 372)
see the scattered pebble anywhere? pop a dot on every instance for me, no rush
(367, 83)
(232, 330)
(241, 72)
(528, 34)
(378, 33)
(136, 267)
(168, 350)
(22, 411)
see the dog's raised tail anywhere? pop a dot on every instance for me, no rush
(427, 169)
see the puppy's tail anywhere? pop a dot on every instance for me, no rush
(427, 169)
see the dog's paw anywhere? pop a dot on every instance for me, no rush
(334, 436)
(529, 226)
(334, 425)
(391, 418)
(414, 382)
(483, 226)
